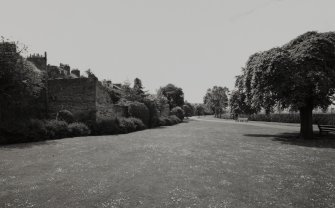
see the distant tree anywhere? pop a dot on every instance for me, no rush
(300, 75)
(134, 93)
(138, 87)
(199, 110)
(217, 99)
(188, 109)
(173, 94)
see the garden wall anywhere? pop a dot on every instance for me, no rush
(84, 97)
(75, 95)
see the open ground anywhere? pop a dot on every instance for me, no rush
(199, 163)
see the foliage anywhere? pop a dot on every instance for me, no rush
(320, 118)
(174, 119)
(173, 94)
(169, 121)
(21, 85)
(138, 88)
(139, 110)
(114, 94)
(217, 99)
(300, 75)
(178, 111)
(65, 115)
(199, 110)
(153, 111)
(78, 129)
(161, 121)
(188, 109)
(139, 125)
(134, 93)
(57, 129)
(105, 127)
(127, 125)
(22, 131)
(238, 103)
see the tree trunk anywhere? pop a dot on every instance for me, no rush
(306, 123)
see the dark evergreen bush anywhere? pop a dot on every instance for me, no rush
(105, 127)
(167, 121)
(57, 129)
(65, 115)
(178, 111)
(174, 119)
(161, 121)
(127, 125)
(153, 112)
(139, 110)
(78, 129)
(23, 131)
(138, 123)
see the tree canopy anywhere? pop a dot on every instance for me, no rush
(173, 94)
(21, 83)
(217, 99)
(299, 75)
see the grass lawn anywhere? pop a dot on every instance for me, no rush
(201, 163)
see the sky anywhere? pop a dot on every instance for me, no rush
(194, 44)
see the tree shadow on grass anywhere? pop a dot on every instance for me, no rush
(319, 141)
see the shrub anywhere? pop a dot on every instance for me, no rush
(105, 127)
(153, 112)
(78, 129)
(227, 116)
(57, 129)
(36, 130)
(126, 125)
(161, 121)
(321, 118)
(174, 119)
(23, 131)
(139, 110)
(65, 115)
(177, 111)
(139, 125)
(188, 110)
(167, 121)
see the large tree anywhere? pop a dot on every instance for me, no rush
(21, 84)
(217, 99)
(173, 94)
(299, 75)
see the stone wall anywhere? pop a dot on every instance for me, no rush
(75, 95)
(104, 104)
(39, 61)
(84, 97)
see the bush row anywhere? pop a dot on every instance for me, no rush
(322, 118)
(37, 130)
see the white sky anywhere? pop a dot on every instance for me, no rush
(193, 44)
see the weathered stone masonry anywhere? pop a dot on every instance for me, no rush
(84, 97)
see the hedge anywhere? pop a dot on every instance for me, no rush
(321, 118)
